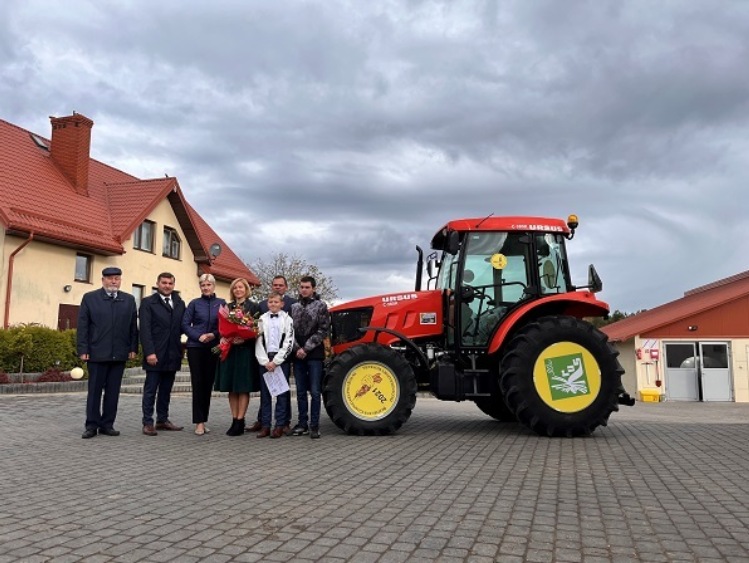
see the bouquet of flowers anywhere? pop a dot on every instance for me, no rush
(234, 323)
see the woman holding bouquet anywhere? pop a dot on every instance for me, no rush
(237, 374)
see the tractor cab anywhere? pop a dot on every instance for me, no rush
(490, 268)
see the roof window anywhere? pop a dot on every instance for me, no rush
(41, 143)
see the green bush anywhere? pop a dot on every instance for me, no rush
(138, 361)
(39, 346)
(42, 348)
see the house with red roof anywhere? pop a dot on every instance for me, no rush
(692, 349)
(64, 216)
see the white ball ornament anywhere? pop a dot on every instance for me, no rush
(76, 373)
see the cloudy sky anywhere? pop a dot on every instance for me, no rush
(348, 132)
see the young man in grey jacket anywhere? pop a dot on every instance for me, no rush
(311, 324)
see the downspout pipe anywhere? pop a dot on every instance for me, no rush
(9, 285)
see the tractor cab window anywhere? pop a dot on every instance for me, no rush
(448, 270)
(551, 260)
(494, 278)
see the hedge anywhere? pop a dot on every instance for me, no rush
(41, 348)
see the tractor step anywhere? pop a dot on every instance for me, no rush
(449, 384)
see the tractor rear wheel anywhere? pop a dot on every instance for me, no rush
(369, 390)
(495, 407)
(561, 377)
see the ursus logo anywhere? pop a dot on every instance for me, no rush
(567, 377)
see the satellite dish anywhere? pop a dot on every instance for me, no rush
(215, 250)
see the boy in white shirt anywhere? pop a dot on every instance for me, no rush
(272, 349)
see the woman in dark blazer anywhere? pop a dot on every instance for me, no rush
(200, 324)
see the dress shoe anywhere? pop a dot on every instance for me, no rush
(168, 426)
(299, 430)
(89, 433)
(277, 432)
(264, 432)
(199, 431)
(286, 430)
(256, 427)
(149, 430)
(109, 431)
(314, 433)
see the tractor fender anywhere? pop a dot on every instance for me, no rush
(423, 362)
(577, 304)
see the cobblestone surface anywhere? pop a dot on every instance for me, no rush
(664, 482)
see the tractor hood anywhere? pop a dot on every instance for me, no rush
(413, 314)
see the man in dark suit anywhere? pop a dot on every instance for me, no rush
(281, 286)
(107, 336)
(160, 331)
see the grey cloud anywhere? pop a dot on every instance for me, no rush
(384, 120)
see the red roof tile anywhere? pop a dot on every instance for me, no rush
(697, 301)
(36, 197)
(715, 284)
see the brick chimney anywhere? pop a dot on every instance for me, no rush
(71, 142)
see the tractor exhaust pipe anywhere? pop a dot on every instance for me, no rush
(419, 267)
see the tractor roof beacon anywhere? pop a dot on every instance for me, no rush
(500, 323)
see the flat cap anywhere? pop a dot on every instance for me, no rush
(111, 271)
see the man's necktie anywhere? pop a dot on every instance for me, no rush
(168, 301)
(274, 315)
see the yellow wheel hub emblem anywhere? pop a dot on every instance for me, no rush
(567, 377)
(370, 391)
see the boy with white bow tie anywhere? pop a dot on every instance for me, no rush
(272, 349)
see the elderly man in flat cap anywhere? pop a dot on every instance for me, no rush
(107, 337)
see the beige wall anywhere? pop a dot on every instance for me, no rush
(627, 360)
(740, 369)
(42, 270)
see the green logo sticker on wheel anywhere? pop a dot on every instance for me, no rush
(567, 377)
(370, 391)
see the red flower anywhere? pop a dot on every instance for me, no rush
(233, 324)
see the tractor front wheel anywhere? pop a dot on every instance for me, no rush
(561, 377)
(369, 390)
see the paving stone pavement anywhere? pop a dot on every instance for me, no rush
(663, 482)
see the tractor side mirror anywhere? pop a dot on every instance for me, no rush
(433, 267)
(594, 280)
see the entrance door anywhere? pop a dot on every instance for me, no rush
(681, 372)
(67, 316)
(716, 377)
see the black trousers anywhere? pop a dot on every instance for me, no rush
(103, 378)
(157, 390)
(202, 364)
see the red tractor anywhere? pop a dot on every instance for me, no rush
(502, 327)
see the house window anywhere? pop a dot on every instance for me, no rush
(138, 294)
(172, 244)
(143, 236)
(83, 267)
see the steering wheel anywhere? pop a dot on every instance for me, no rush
(477, 291)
